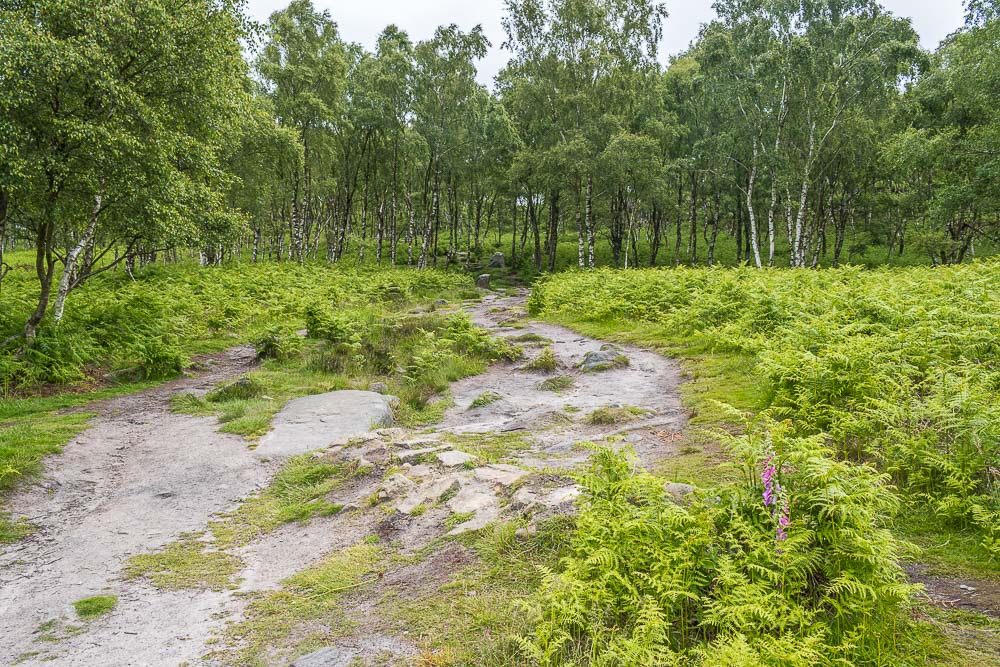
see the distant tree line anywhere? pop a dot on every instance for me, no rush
(791, 134)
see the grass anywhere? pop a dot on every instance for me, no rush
(545, 362)
(557, 383)
(297, 493)
(491, 447)
(457, 519)
(485, 399)
(615, 414)
(187, 564)
(531, 338)
(466, 617)
(92, 607)
(305, 614)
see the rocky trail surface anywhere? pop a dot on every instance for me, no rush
(143, 477)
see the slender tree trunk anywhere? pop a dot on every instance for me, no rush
(581, 246)
(44, 267)
(589, 221)
(68, 279)
(680, 216)
(693, 238)
(800, 245)
(4, 203)
(754, 243)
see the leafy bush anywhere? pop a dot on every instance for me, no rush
(724, 580)
(147, 327)
(898, 366)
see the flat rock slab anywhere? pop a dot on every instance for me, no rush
(414, 454)
(500, 473)
(454, 458)
(313, 422)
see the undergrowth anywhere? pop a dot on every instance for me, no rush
(725, 580)
(900, 367)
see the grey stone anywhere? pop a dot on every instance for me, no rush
(429, 492)
(441, 302)
(528, 531)
(411, 454)
(395, 486)
(379, 387)
(525, 501)
(331, 656)
(482, 518)
(472, 498)
(497, 261)
(454, 458)
(562, 496)
(603, 359)
(483, 281)
(312, 422)
(500, 473)
(678, 490)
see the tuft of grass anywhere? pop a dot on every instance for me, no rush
(531, 338)
(297, 493)
(557, 383)
(186, 564)
(610, 415)
(485, 399)
(545, 362)
(304, 614)
(491, 447)
(95, 606)
(243, 389)
(457, 519)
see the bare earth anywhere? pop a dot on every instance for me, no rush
(143, 476)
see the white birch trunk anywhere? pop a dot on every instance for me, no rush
(69, 271)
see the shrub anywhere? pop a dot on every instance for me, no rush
(896, 366)
(722, 580)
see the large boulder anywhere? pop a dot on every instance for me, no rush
(496, 261)
(317, 421)
(483, 281)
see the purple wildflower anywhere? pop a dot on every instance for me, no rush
(772, 494)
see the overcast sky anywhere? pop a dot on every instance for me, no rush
(362, 21)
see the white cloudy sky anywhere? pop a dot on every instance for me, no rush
(362, 21)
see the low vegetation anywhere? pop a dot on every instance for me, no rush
(191, 563)
(895, 366)
(95, 606)
(545, 362)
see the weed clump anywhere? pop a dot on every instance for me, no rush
(95, 606)
(545, 362)
(557, 383)
(485, 399)
(610, 415)
(242, 389)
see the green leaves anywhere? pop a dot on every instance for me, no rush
(651, 582)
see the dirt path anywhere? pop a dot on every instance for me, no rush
(136, 480)
(142, 476)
